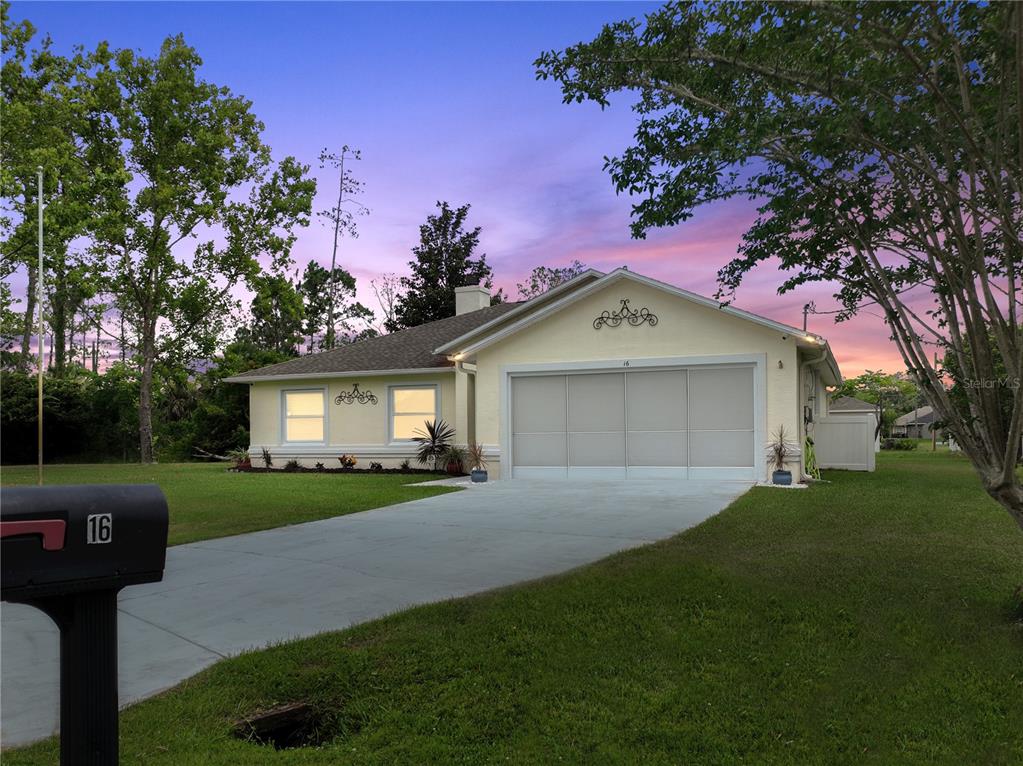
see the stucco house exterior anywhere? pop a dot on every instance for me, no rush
(610, 375)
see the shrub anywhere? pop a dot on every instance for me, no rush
(903, 445)
(406, 465)
(268, 460)
(376, 466)
(320, 466)
(347, 461)
(433, 442)
(454, 459)
(292, 465)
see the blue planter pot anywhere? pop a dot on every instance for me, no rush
(782, 477)
(478, 477)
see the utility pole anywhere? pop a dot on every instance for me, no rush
(42, 334)
(808, 308)
(934, 431)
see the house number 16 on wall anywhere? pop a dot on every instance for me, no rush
(99, 528)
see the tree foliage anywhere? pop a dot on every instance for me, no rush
(444, 259)
(192, 149)
(350, 318)
(882, 142)
(544, 278)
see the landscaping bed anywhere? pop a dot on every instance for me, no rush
(867, 619)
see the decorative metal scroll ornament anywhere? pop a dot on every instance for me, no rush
(355, 395)
(625, 314)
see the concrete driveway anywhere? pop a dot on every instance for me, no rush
(225, 596)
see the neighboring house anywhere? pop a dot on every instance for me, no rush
(850, 407)
(914, 425)
(608, 375)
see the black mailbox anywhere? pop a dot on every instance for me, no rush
(58, 540)
(68, 550)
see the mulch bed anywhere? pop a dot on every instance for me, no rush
(303, 469)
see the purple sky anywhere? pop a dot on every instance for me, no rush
(443, 103)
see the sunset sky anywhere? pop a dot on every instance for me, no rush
(443, 102)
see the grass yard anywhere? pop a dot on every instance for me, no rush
(207, 501)
(868, 620)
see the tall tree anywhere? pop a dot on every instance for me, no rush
(55, 117)
(350, 318)
(192, 148)
(277, 315)
(544, 278)
(883, 142)
(443, 261)
(342, 217)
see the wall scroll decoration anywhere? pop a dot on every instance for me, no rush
(355, 395)
(625, 314)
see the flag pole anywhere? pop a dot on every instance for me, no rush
(42, 335)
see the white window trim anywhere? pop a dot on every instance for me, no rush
(284, 415)
(390, 407)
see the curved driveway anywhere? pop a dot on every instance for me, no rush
(222, 597)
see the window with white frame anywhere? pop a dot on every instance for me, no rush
(411, 407)
(304, 416)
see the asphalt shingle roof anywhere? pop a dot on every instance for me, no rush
(409, 349)
(850, 404)
(920, 415)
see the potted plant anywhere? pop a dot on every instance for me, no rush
(478, 462)
(780, 452)
(454, 460)
(433, 441)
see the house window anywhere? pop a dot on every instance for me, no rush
(411, 406)
(304, 416)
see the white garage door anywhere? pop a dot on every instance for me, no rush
(682, 423)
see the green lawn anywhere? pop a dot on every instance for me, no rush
(868, 620)
(206, 500)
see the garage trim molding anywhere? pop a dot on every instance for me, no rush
(758, 362)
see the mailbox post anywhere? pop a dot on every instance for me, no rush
(68, 550)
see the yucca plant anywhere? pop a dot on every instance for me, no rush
(477, 460)
(433, 439)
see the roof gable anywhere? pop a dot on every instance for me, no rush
(530, 315)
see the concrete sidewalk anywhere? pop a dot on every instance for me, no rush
(225, 596)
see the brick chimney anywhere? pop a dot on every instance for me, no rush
(472, 298)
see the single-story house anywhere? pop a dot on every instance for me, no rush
(850, 406)
(608, 375)
(914, 425)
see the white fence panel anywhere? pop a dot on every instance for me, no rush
(846, 442)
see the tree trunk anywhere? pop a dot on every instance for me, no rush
(1009, 496)
(146, 402)
(29, 323)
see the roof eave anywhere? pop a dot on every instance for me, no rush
(342, 374)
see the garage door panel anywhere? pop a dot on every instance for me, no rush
(596, 402)
(721, 399)
(649, 448)
(657, 400)
(721, 448)
(596, 449)
(538, 404)
(539, 449)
